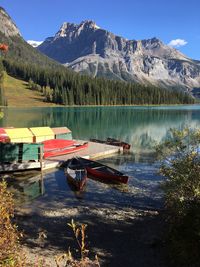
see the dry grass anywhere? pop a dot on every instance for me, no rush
(67, 259)
(18, 94)
(9, 236)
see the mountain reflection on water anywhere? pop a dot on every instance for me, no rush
(142, 127)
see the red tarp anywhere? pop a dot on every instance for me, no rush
(57, 143)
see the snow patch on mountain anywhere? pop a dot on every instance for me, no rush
(34, 43)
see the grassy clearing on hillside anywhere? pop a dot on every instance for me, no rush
(18, 94)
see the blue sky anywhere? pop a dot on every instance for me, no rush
(166, 19)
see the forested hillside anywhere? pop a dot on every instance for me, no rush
(68, 88)
(21, 51)
(19, 93)
(63, 86)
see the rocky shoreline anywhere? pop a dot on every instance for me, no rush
(120, 237)
(125, 227)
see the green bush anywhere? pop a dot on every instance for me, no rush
(182, 198)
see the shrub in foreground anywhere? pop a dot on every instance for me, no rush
(67, 259)
(9, 236)
(12, 256)
(182, 201)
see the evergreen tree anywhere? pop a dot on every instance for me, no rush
(62, 87)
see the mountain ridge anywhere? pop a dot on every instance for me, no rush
(19, 50)
(89, 49)
(61, 86)
(8, 27)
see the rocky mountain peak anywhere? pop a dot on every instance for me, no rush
(155, 40)
(89, 24)
(68, 29)
(64, 28)
(87, 49)
(7, 26)
(153, 43)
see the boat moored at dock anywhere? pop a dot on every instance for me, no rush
(112, 142)
(103, 172)
(76, 174)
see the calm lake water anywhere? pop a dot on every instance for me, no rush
(142, 127)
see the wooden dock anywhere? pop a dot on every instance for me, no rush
(94, 150)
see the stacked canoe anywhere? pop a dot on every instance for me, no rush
(56, 147)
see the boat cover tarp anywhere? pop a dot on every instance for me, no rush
(57, 143)
(42, 133)
(18, 135)
(61, 130)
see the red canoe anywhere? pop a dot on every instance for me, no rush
(112, 142)
(103, 172)
(57, 143)
(59, 147)
(76, 174)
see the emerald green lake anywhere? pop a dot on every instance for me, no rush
(142, 127)
(115, 213)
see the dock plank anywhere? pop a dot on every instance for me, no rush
(94, 150)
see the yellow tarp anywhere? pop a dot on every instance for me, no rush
(42, 133)
(19, 135)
